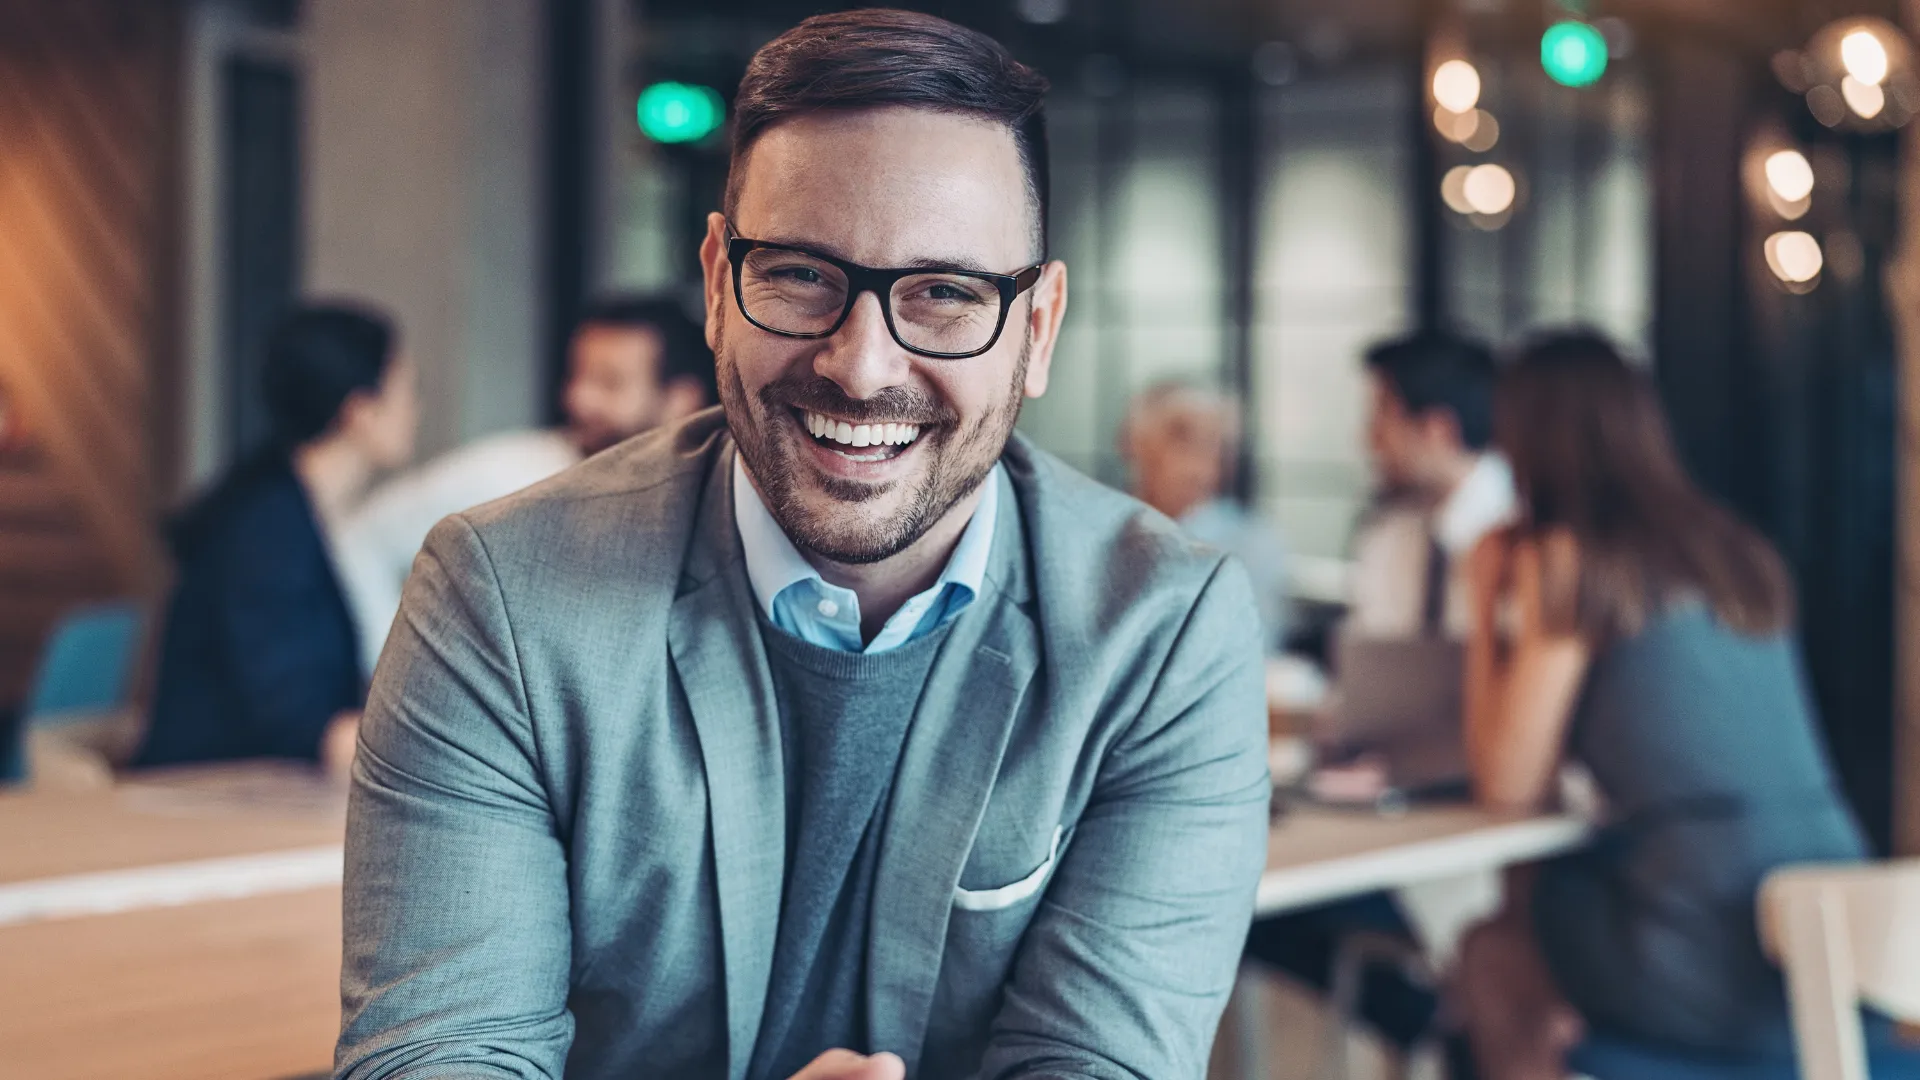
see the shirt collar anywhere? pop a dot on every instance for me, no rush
(1478, 504)
(774, 565)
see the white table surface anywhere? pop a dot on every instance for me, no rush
(1315, 856)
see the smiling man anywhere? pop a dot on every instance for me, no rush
(836, 733)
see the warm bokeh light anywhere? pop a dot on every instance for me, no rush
(1453, 189)
(1790, 67)
(1456, 86)
(1794, 257)
(1489, 189)
(1790, 175)
(1865, 57)
(1453, 126)
(1485, 135)
(1826, 105)
(1866, 99)
(1476, 130)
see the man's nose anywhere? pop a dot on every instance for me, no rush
(861, 357)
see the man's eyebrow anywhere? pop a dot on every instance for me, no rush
(959, 262)
(952, 264)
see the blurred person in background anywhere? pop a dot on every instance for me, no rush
(1441, 489)
(634, 363)
(1181, 441)
(1648, 635)
(259, 656)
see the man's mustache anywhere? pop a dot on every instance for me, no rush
(892, 405)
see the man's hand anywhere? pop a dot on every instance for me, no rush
(847, 1065)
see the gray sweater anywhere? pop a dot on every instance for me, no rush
(843, 719)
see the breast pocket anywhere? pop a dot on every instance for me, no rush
(1012, 893)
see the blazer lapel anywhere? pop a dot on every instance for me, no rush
(722, 666)
(947, 768)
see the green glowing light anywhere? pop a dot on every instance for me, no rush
(1574, 54)
(672, 112)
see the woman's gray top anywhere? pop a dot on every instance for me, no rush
(1705, 744)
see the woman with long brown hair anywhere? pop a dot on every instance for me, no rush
(1629, 624)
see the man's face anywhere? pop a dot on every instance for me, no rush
(613, 385)
(1179, 452)
(1410, 450)
(882, 188)
(385, 423)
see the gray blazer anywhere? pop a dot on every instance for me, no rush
(566, 841)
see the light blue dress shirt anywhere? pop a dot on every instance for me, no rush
(798, 600)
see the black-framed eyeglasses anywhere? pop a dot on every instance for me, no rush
(947, 314)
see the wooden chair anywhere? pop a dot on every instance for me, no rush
(1846, 936)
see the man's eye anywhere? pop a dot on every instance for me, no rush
(950, 292)
(805, 275)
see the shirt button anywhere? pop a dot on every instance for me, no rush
(828, 608)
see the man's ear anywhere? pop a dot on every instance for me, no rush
(1044, 315)
(1442, 428)
(352, 413)
(716, 272)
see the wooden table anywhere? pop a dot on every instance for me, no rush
(174, 983)
(1318, 855)
(171, 816)
(187, 927)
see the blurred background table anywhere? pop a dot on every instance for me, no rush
(1316, 855)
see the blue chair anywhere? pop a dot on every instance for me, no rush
(87, 668)
(88, 665)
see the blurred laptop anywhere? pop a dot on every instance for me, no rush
(1399, 702)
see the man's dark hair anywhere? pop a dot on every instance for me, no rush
(683, 344)
(317, 357)
(1441, 371)
(880, 57)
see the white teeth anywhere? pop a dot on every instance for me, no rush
(862, 435)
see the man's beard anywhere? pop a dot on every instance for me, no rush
(958, 458)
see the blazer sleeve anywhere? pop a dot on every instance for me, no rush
(1129, 961)
(458, 946)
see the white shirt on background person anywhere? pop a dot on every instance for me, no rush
(1389, 580)
(374, 544)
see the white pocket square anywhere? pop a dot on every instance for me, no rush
(1008, 895)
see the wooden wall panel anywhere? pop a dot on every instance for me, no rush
(88, 175)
